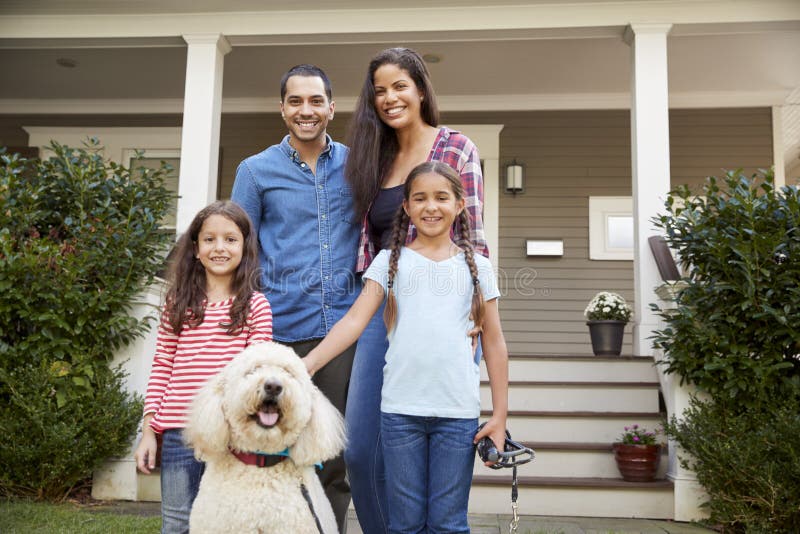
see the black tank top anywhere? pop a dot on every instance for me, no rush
(382, 213)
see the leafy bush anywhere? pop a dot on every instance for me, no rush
(47, 448)
(735, 332)
(79, 239)
(748, 462)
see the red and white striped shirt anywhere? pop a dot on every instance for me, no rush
(184, 362)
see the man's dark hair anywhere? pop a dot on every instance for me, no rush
(310, 71)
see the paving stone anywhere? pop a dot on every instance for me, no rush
(484, 529)
(681, 528)
(527, 526)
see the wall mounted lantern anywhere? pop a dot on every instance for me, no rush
(515, 178)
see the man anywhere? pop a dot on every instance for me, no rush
(296, 195)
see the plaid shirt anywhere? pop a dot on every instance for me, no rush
(455, 149)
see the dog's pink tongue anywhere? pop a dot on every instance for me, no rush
(268, 418)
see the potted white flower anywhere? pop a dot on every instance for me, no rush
(607, 314)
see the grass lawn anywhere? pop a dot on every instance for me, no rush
(22, 517)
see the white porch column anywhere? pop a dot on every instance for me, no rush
(202, 109)
(777, 146)
(650, 165)
(651, 183)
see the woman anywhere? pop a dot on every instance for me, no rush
(394, 128)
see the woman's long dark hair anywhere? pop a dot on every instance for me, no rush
(400, 231)
(186, 296)
(373, 144)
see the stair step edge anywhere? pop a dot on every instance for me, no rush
(575, 446)
(568, 414)
(587, 384)
(581, 357)
(571, 482)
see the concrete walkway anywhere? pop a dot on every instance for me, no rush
(528, 524)
(491, 524)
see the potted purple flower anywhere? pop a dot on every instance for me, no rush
(637, 454)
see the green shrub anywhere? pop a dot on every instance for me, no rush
(47, 448)
(734, 334)
(79, 239)
(736, 330)
(748, 462)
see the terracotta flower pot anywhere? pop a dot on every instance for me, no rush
(637, 463)
(606, 337)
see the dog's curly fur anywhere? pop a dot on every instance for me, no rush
(235, 497)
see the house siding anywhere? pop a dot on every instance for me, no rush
(568, 156)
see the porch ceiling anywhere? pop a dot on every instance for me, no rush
(488, 69)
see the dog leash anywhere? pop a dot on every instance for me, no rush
(307, 497)
(513, 455)
(512, 527)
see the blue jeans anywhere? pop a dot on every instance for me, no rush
(180, 480)
(363, 455)
(428, 472)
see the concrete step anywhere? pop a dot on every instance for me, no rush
(575, 426)
(582, 460)
(573, 496)
(578, 396)
(580, 368)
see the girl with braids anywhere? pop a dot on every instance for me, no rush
(437, 292)
(212, 312)
(394, 128)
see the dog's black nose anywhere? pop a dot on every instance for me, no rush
(272, 389)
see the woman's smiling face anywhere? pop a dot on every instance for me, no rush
(397, 98)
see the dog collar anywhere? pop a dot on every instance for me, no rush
(261, 459)
(265, 459)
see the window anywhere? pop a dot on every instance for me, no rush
(610, 228)
(151, 159)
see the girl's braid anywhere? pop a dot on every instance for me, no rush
(478, 305)
(399, 234)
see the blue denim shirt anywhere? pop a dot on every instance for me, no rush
(307, 234)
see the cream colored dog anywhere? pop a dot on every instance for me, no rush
(263, 401)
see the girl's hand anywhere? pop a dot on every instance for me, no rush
(146, 450)
(495, 428)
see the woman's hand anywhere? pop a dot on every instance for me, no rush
(475, 334)
(146, 450)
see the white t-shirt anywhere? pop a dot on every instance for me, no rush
(430, 369)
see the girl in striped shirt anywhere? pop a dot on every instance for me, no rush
(213, 311)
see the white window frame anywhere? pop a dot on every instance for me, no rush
(600, 209)
(128, 154)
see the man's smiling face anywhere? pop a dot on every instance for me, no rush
(306, 109)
